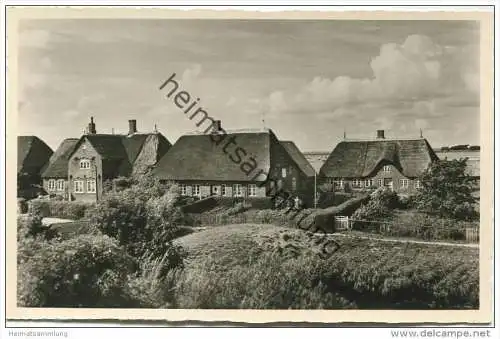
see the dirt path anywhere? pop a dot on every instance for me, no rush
(401, 240)
(49, 221)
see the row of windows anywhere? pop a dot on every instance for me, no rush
(84, 164)
(79, 186)
(362, 183)
(56, 185)
(403, 183)
(237, 190)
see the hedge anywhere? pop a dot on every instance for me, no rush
(206, 204)
(87, 271)
(200, 206)
(60, 209)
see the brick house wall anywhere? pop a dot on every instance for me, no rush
(208, 188)
(383, 177)
(284, 169)
(75, 173)
(56, 186)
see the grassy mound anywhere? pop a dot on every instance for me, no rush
(264, 266)
(239, 244)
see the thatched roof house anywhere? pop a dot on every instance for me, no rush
(32, 154)
(58, 163)
(32, 157)
(235, 163)
(299, 158)
(378, 162)
(80, 166)
(125, 155)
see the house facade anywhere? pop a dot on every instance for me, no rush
(83, 165)
(33, 155)
(55, 176)
(85, 169)
(368, 164)
(243, 163)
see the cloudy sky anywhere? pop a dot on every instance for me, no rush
(307, 80)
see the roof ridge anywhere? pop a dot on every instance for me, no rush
(380, 140)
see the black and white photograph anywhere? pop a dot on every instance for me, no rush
(233, 163)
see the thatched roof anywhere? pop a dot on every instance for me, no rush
(58, 164)
(358, 159)
(121, 153)
(197, 157)
(32, 154)
(298, 157)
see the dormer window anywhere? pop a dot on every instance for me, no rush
(84, 163)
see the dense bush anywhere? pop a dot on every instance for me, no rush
(260, 203)
(200, 206)
(87, 271)
(448, 191)
(428, 227)
(60, 209)
(22, 206)
(143, 218)
(30, 226)
(121, 183)
(328, 199)
(96, 270)
(379, 207)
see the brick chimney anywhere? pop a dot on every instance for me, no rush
(132, 126)
(380, 134)
(91, 127)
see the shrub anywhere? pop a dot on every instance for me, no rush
(22, 206)
(30, 226)
(87, 271)
(60, 209)
(428, 227)
(328, 199)
(69, 209)
(380, 205)
(121, 183)
(260, 203)
(200, 206)
(39, 207)
(140, 218)
(406, 201)
(238, 208)
(448, 191)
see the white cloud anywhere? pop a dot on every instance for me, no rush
(416, 71)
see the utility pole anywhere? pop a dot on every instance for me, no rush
(315, 192)
(96, 190)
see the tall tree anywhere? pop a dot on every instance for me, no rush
(447, 190)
